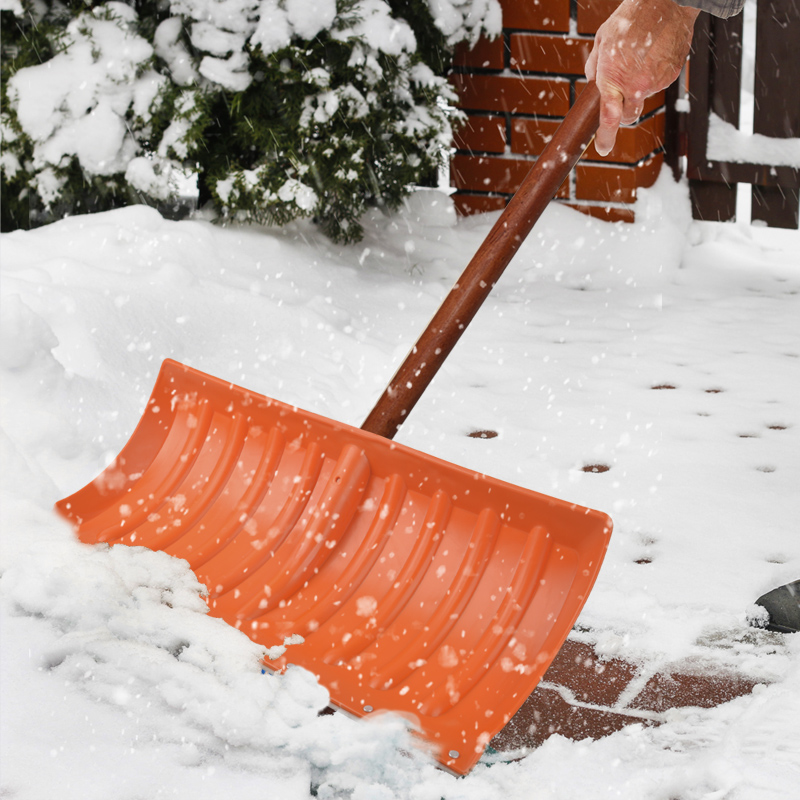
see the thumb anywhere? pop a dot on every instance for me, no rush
(590, 69)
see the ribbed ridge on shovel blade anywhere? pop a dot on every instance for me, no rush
(419, 587)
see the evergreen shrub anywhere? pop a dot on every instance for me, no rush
(281, 108)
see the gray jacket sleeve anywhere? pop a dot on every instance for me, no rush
(719, 8)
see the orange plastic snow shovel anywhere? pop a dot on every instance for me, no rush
(417, 586)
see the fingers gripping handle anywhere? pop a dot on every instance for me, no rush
(487, 265)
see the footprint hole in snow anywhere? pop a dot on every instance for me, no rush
(483, 434)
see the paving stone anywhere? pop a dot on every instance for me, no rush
(590, 679)
(679, 689)
(589, 708)
(546, 713)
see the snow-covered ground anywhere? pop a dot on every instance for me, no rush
(667, 350)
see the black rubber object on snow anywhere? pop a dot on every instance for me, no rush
(783, 606)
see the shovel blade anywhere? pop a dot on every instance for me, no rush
(417, 586)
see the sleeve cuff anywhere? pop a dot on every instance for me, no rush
(718, 8)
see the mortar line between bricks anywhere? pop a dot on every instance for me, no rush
(512, 71)
(614, 204)
(527, 115)
(617, 164)
(550, 32)
(611, 204)
(637, 684)
(569, 697)
(511, 155)
(618, 204)
(521, 72)
(514, 115)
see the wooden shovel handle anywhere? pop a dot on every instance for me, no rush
(486, 266)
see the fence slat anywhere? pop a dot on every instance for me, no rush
(716, 63)
(777, 100)
(715, 86)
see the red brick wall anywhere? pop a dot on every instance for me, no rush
(516, 89)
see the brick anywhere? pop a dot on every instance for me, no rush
(598, 686)
(633, 143)
(592, 680)
(593, 13)
(485, 54)
(529, 136)
(548, 53)
(679, 689)
(517, 95)
(488, 174)
(536, 15)
(492, 174)
(647, 171)
(654, 103)
(485, 134)
(615, 183)
(605, 183)
(651, 104)
(546, 713)
(467, 204)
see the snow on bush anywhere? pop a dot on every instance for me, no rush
(74, 124)
(465, 21)
(284, 108)
(329, 126)
(82, 101)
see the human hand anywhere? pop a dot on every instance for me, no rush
(638, 51)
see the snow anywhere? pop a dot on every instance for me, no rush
(738, 143)
(169, 47)
(295, 192)
(115, 683)
(309, 17)
(230, 72)
(467, 19)
(273, 30)
(727, 143)
(83, 100)
(379, 29)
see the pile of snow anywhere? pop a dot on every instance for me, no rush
(116, 683)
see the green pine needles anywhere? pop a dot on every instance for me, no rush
(282, 109)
